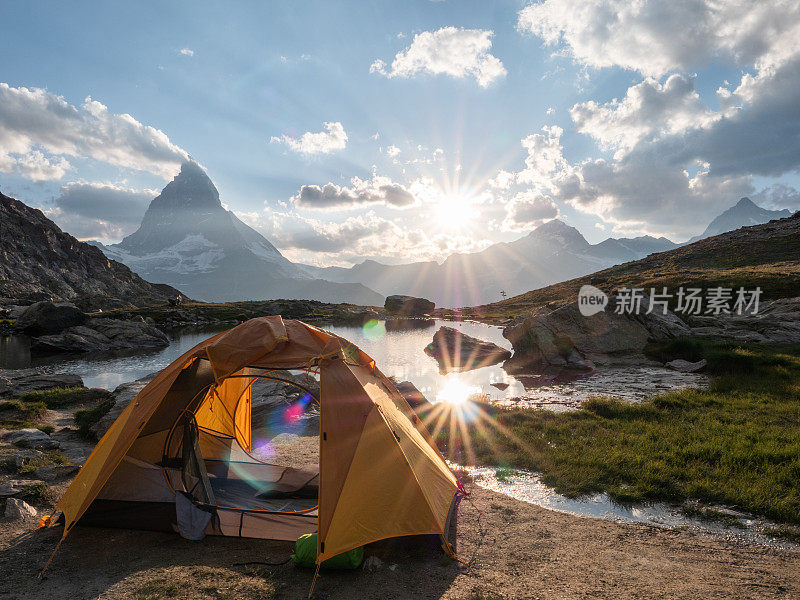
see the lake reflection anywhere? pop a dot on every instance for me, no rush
(400, 353)
(397, 349)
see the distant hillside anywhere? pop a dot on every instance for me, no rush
(743, 214)
(552, 252)
(188, 239)
(38, 261)
(765, 256)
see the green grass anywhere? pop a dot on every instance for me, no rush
(712, 514)
(48, 458)
(790, 534)
(87, 417)
(18, 415)
(37, 493)
(63, 397)
(737, 443)
(503, 474)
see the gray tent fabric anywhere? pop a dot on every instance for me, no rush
(192, 521)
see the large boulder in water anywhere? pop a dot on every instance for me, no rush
(456, 351)
(49, 317)
(408, 305)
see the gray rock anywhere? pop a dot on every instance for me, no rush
(454, 350)
(49, 317)
(559, 336)
(30, 438)
(408, 305)
(103, 335)
(777, 322)
(413, 396)
(121, 396)
(685, 366)
(19, 510)
(13, 384)
(55, 472)
(13, 487)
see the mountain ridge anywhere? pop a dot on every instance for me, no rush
(39, 261)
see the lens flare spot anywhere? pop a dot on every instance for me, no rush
(374, 330)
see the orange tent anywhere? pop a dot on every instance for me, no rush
(186, 436)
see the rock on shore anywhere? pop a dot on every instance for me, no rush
(561, 337)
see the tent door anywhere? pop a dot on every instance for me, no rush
(193, 467)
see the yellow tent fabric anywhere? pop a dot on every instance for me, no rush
(380, 475)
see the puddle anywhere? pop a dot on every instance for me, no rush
(632, 384)
(527, 487)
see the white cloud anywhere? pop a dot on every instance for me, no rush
(527, 210)
(362, 192)
(544, 156)
(649, 110)
(37, 167)
(392, 150)
(323, 142)
(33, 119)
(448, 51)
(186, 51)
(659, 36)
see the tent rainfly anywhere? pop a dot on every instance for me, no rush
(178, 457)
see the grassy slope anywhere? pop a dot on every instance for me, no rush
(763, 255)
(737, 443)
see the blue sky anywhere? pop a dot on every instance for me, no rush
(220, 80)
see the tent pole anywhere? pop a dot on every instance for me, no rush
(314, 581)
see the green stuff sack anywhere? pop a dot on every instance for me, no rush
(305, 555)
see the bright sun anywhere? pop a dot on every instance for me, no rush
(454, 211)
(456, 392)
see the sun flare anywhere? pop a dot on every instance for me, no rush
(456, 392)
(454, 211)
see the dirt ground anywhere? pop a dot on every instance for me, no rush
(526, 552)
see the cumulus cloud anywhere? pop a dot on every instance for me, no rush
(527, 210)
(33, 119)
(361, 192)
(659, 36)
(96, 210)
(392, 150)
(649, 110)
(447, 51)
(186, 51)
(323, 142)
(37, 167)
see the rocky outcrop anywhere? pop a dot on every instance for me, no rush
(38, 261)
(268, 394)
(15, 383)
(14, 487)
(121, 397)
(777, 322)
(103, 335)
(408, 305)
(685, 366)
(561, 337)
(456, 351)
(43, 318)
(29, 438)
